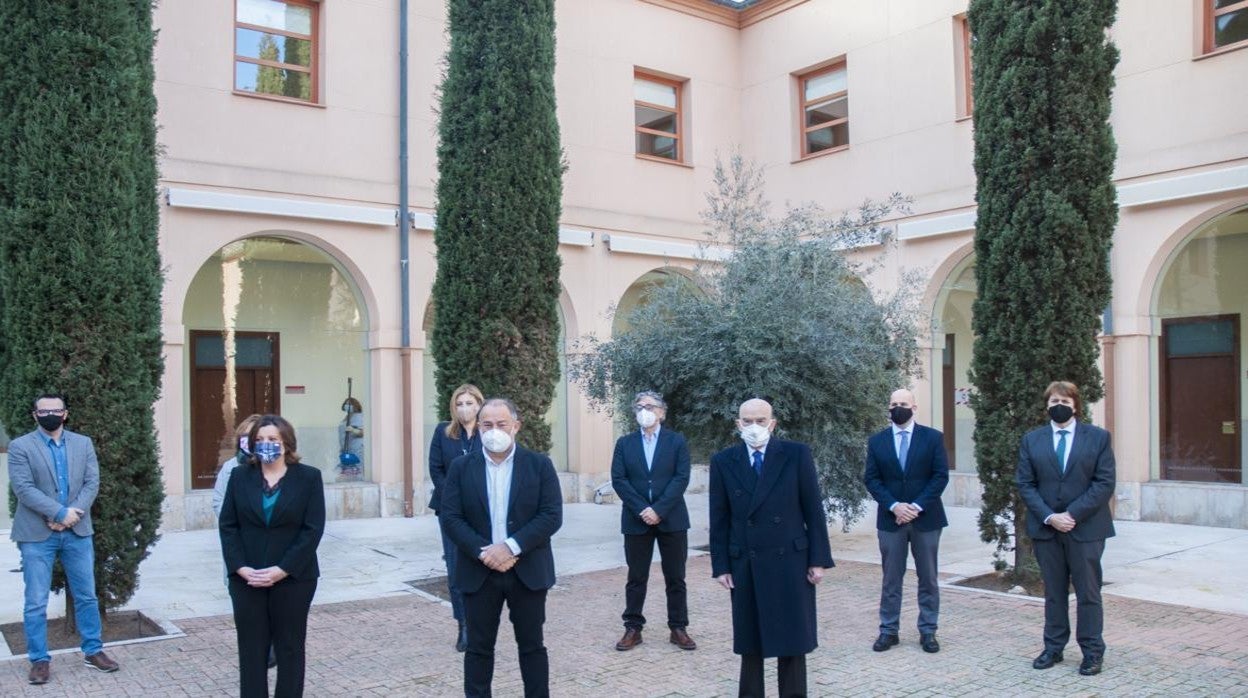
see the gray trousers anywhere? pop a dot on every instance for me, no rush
(895, 547)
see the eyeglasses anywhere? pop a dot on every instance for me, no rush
(48, 413)
(646, 408)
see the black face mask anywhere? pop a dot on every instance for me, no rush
(899, 414)
(50, 422)
(1061, 413)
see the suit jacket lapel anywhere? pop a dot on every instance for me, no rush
(659, 447)
(255, 490)
(42, 447)
(1076, 447)
(474, 474)
(1047, 445)
(638, 454)
(519, 478)
(773, 462)
(291, 486)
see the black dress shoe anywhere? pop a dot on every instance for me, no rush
(883, 642)
(929, 643)
(1090, 666)
(461, 642)
(1046, 660)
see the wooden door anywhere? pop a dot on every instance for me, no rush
(1200, 414)
(948, 404)
(216, 407)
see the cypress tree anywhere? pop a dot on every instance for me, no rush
(1044, 158)
(499, 188)
(80, 276)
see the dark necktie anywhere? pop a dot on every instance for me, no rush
(1061, 448)
(758, 463)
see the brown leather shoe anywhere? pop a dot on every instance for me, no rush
(101, 662)
(681, 639)
(632, 638)
(40, 672)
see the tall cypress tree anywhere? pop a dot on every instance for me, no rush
(1044, 158)
(80, 276)
(499, 186)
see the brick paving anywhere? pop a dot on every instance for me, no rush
(401, 646)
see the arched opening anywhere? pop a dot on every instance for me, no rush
(276, 325)
(1200, 301)
(638, 293)
(952, 342)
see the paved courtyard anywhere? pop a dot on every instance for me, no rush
(400, 646)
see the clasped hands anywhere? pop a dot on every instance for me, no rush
(650, 517)
(498, 557)
(72, 517)
(266, 577)
(905, 513)
(1063, 522)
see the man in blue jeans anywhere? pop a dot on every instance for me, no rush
(55, 476)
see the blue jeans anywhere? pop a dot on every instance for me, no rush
(78, 558)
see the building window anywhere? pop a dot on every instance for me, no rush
(824, 109)
(275, 48)
(657, 116)
(965, 81)
(1226, 24)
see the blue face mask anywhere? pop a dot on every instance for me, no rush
(268, 451)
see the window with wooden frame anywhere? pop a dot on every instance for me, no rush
(824, 109)
(1226, 24)
(965, 81)
(657, 117)
(275, 49)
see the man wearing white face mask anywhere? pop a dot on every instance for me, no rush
(500, 507)
(769, 547)
(650, 471)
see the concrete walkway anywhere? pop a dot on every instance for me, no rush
(1194, 566)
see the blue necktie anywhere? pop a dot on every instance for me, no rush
(758, 463)
(904, 450)
(1061, 449)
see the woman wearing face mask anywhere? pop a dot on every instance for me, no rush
(452, 440)
(271, 524)
(241, 435)
(351, 438)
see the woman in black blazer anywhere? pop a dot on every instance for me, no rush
(451, 440)
(271, 524)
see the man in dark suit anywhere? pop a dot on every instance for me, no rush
(907, 471)
(650, 471)
(501, 506)
(1066, 477)
(55, 477)
(769, 547)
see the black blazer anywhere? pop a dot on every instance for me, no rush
(925, 477)
(662, 487)
(290, 539)
(534, 513)
(1083, 491)
(443, 450)
(767, 532)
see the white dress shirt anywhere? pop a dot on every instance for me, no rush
(498, 491)
(897, 431)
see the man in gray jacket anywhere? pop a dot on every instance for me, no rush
(55, 477)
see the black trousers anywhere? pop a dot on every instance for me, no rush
(483, 613)
(790, 673)
(673, 552)
(274, 616)
(1066, 562)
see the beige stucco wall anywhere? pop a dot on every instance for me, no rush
(1173, 115)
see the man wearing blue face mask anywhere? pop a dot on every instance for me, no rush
(1066, 475)
(650, 471)
(769, 548)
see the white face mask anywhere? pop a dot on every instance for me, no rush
(756, 435)
(496, 441)
(466, 413)
(646, 418)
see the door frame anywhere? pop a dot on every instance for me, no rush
(1162, 365)
(275, 343)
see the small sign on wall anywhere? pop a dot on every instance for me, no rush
(296, 389)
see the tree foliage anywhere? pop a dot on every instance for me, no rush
(499, 188)
(80, 276)
(1044, 158)
(785, 316)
